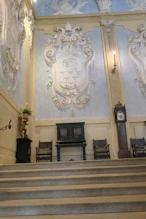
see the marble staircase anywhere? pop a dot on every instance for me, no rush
(103, 189)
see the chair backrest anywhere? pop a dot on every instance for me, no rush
(44, 145)
(99, 143)
(138, 141)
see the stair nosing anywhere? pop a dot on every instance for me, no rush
(70, 201)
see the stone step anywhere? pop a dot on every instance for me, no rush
(133, 215)
(73, 180)
(91, 190)
(73, 164)
(73, 206)
(72, 171)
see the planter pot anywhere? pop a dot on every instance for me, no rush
(25, 115)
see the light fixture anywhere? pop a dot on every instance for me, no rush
(115, 65)
(34, 1)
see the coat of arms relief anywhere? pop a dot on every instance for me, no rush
(12, 34)
(137, 52)
(70, 56)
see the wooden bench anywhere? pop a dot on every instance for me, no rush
(138, 147)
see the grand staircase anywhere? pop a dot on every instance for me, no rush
(102, 189)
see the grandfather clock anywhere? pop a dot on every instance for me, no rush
(120, 119)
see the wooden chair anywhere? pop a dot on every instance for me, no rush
(101, 149)
(44, 151)
(139, 147)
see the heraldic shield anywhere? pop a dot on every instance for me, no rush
(69, 55)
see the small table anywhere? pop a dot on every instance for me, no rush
(65, 145)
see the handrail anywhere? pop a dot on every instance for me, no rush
(7, 126)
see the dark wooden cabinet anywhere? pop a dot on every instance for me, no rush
(70, 135)
(70, 132)
(23, 150)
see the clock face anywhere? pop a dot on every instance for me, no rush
(120, 115)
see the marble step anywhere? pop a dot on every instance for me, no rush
(128, 215)
(91, 190)
(73, 164)
(73, 206)
(72, 171)
(72, 180)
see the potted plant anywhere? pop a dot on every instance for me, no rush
(26, 112)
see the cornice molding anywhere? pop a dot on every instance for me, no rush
(130, 15)
(91, 20)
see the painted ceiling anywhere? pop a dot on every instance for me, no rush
(62, 7)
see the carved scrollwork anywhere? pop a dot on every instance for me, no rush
(31, 27)
(12, 37)
(108, 28)
(65, 7)
(137, 52)
(137, 5)
(69, 54)
(104, 5)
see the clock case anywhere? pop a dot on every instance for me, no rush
(121, 131)
(120, 108)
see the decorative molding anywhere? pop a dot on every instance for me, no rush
(31, 27)
(137, 52)
(104, 5)
(89, 121)
(12, 37)
(137, 5)
(65, 7)
(70, 56)
(108, 28)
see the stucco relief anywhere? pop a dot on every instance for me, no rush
(108, 28)
(70, 55)
(137, 52)
(12, 37)
(67, 7)
(104, 5)
(31, 27)
(137, 5)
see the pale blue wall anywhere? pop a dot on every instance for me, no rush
(135, 100)
(120, 5)
(18, 94)
(99, 104)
